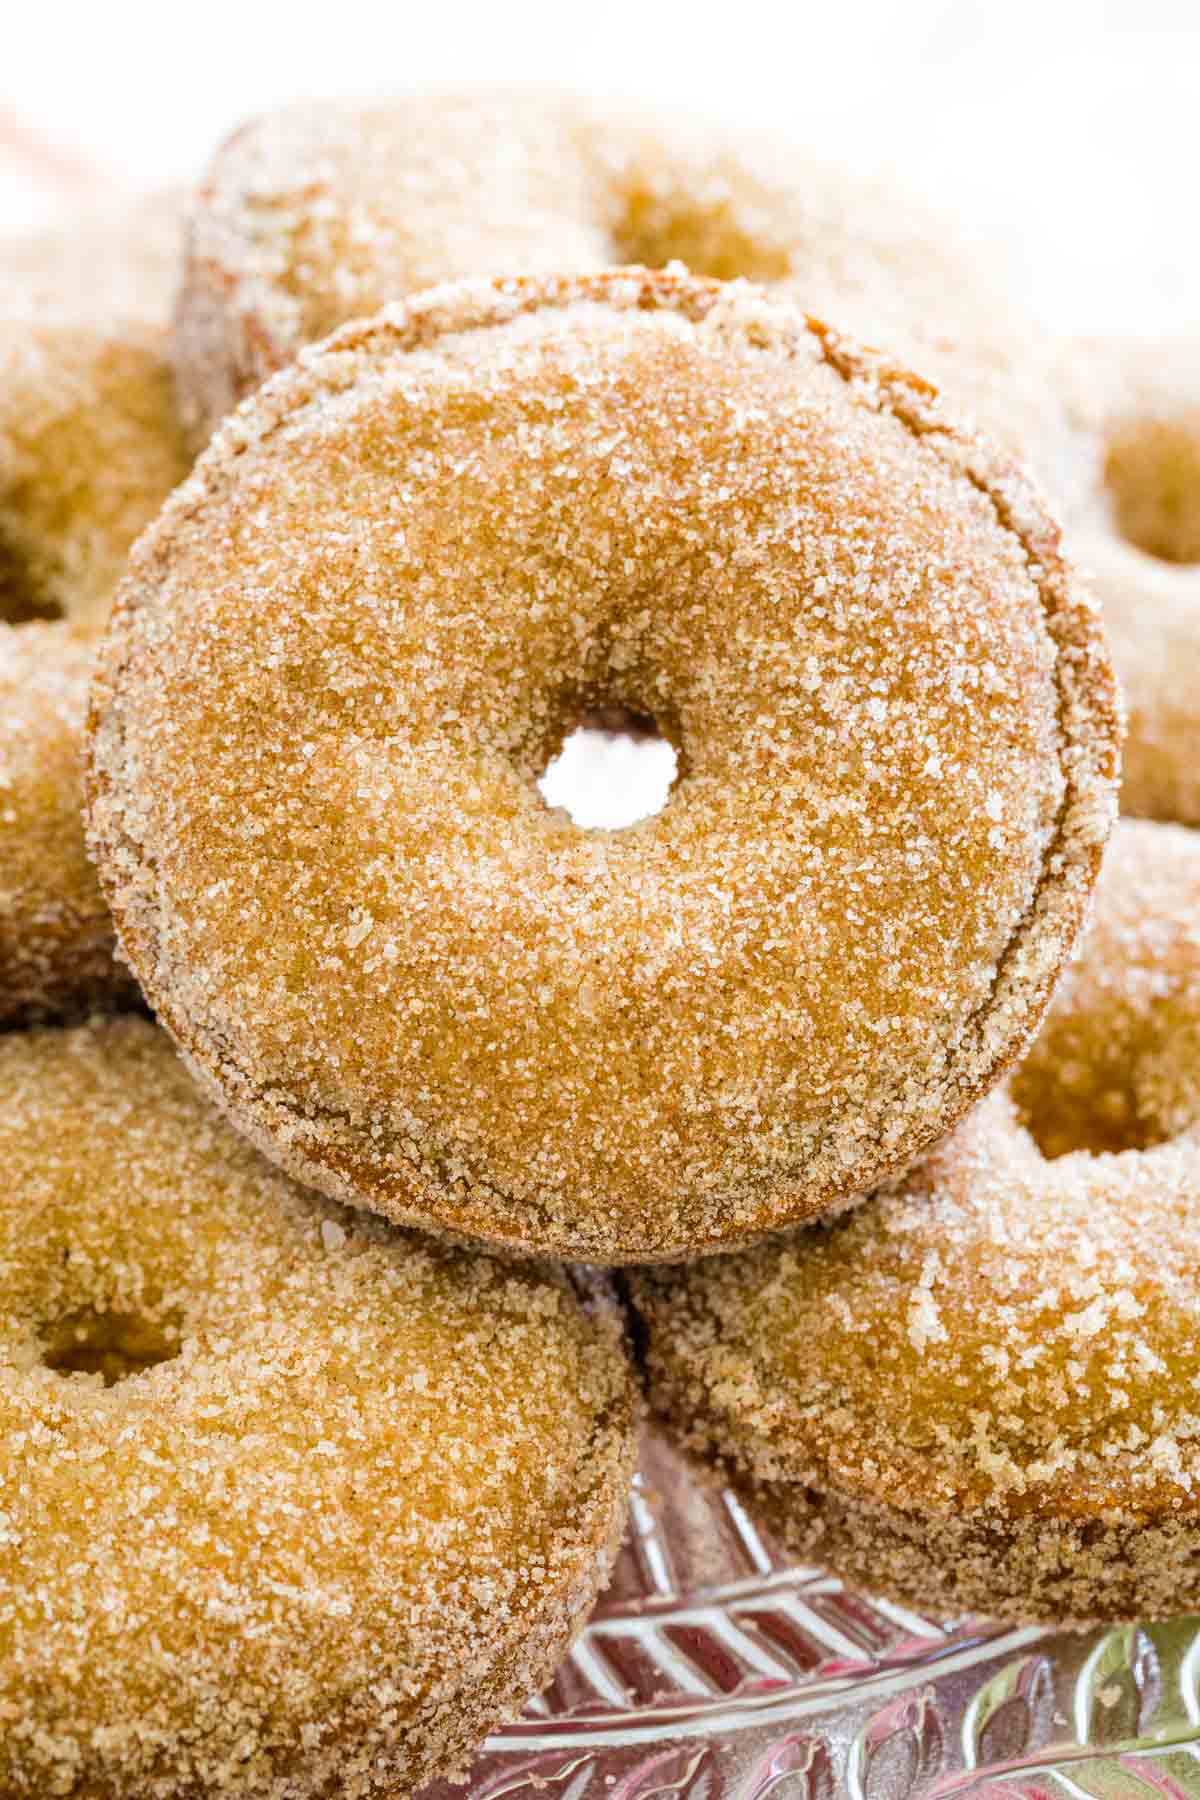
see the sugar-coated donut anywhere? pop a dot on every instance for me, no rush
(1134, 411)
(111, 262)
(351, 643)
(977, 1392)
(290, 1503)
(322, 212)
(89, 447)
(56, 941)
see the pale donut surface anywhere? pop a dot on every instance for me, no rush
(1134, 516)
(290, 1503)
(978, 1391)
(323, 212)
(111, 262)
(89, 448)
(351, 643)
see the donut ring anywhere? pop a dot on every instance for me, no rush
(976, 1393)
(346, 1496)
(1134, 411)
(321, 213)
(89, 447)
(626, 489)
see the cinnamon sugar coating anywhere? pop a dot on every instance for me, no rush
(290, 1503)
(89, 447)
(978, 1392)
(351, 643)
(323, 212)
(1134, 412)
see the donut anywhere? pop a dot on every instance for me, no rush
(320, 213)
(349, 644)
(976, 1392)
(109, 262)
(56, 940)
(89, 447)
(1134, 514)
(290, 1503)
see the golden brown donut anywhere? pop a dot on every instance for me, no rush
(56, 941)
(290, 1503)
(977, 1392)
(1134, 412)
(351, 643)
(322, 212)
(89, 447)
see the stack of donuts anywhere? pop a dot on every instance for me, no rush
(379, 1144)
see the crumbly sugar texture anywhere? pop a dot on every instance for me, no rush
(90, 446)
(320, 213)
(1133, 506)
(979, 1391)
(112, 262)
(351, 643)
(291, 1503)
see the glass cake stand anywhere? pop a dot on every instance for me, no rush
(714, 1668)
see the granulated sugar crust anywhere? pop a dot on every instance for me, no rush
(353, 640)
(978, 1392)
(89, 448)
(323, 212)
(1134, 514)
(351, 1521)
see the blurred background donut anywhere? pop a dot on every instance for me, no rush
(316, 214)
(89, 449)
(1132, 498)
(1064, 132)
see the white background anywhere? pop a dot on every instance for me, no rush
(1071, 127)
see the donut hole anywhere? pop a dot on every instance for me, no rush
(615, 769)
(21, 598)
(1114, 1067)
(1069, 1110)
(703, 231)
(1152, 472)
(1121, 1078)
(113, 1345)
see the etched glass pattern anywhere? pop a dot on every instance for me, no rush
(714, 1668)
